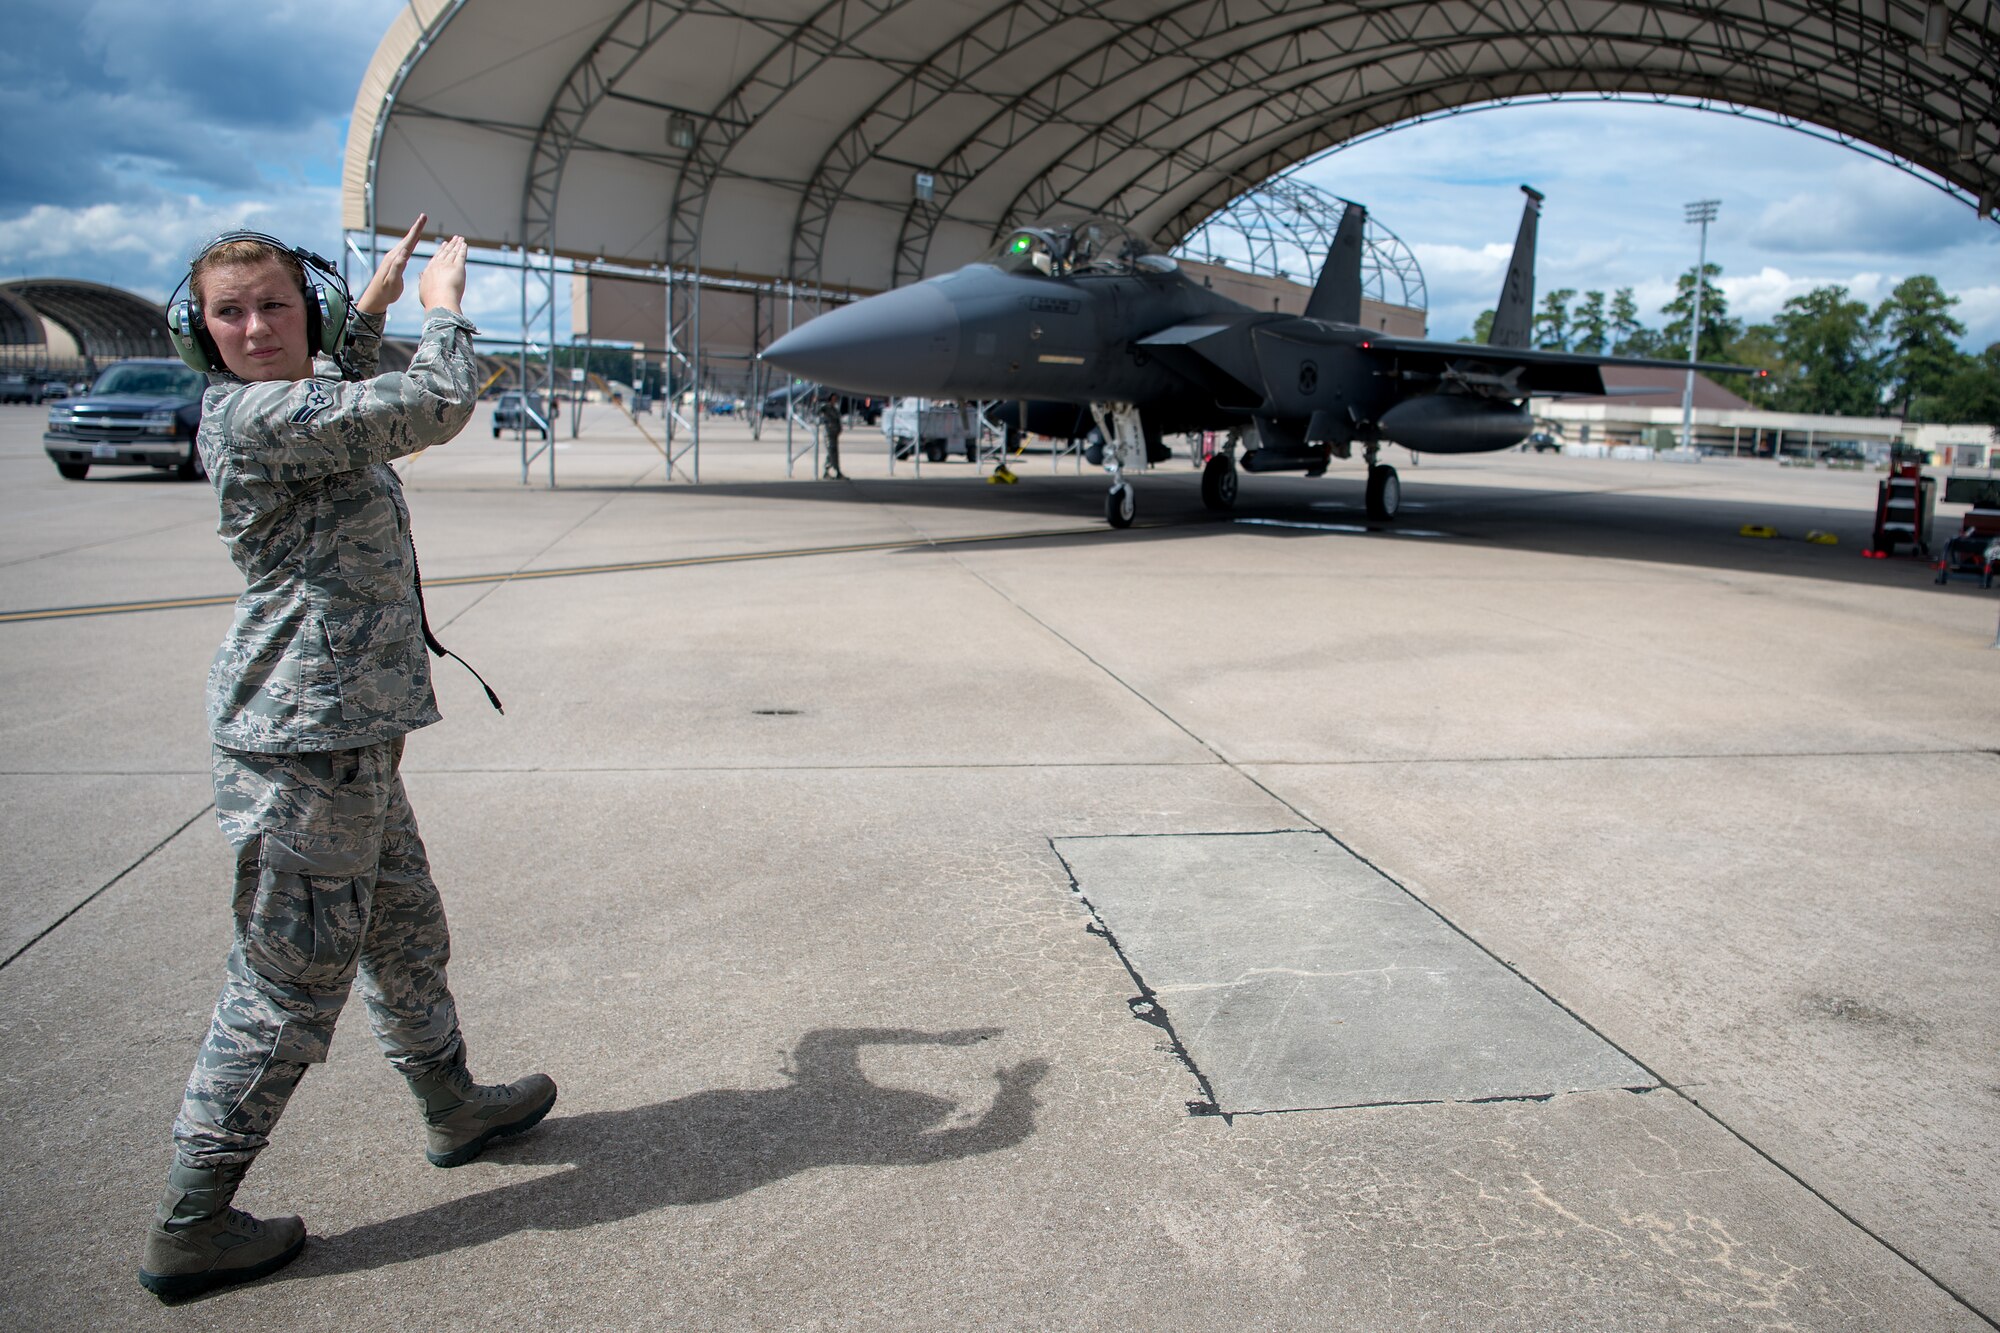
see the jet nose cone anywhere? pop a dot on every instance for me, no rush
(901, 342)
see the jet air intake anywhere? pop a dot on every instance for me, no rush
(1444, 423)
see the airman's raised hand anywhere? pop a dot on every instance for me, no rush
(386, 287)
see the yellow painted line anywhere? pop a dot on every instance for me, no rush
(575, 571)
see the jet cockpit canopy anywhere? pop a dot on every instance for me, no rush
(1065, 246)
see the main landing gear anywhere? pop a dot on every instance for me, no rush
(1218, 482)
(1385, 491)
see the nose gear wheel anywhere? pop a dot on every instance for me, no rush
(1119, 506)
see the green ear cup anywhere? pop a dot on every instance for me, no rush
(190, 340)
(332, 317)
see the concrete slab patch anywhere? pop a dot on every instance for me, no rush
(1298, 977)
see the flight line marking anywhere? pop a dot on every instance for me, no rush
(572, 571)
(1340, 527)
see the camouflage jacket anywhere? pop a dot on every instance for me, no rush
(327, 650)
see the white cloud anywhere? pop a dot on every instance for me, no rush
(1757, 298)
(145, 245)
(1458, 263)
(1979, 310)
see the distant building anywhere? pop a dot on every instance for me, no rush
(1262, 292)
(61, 327)
(1645, 409)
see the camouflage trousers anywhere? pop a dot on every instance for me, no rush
(331, 883)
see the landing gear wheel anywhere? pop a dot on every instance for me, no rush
(1119, 506)
(73, 471)
(1385, 493)
(1218, 483)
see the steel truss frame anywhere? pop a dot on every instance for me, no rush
(1165, 117)
(1286, 224)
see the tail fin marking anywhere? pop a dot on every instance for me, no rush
(1514, 316)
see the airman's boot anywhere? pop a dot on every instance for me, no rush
(198, 1242)
(462, 1117)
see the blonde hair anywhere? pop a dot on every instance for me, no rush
(241, 254)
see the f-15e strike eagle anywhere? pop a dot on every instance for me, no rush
(1075, 324)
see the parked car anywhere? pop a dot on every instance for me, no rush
(858, 407)
(141, 413)
(16, 389)
(507, 412)
(1544, 443)
(53, 390)
(779, 399)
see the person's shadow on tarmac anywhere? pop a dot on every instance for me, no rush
(703, 1148)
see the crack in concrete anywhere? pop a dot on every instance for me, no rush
(1145, 1005)
(103, 888)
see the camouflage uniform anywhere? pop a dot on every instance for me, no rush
(311, 694)
(829, 421)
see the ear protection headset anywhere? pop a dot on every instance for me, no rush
(326, 306)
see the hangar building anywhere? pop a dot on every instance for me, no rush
(62, 328)
(835, 147)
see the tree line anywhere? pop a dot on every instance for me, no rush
(1824, 352)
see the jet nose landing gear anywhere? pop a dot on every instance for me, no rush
(1120, 507)
(1125, 450)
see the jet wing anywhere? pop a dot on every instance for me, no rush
(1538, 356)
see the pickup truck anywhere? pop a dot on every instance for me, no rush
(141, 413)
(507, 414)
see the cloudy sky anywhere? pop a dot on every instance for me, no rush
(136, 129)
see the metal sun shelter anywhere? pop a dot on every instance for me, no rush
(665, 331)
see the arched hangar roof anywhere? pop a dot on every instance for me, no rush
(787, 138)
(107, 323)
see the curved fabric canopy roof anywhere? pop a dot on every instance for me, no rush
(107, 323)
(790, 139)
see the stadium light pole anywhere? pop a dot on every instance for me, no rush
(1702, 211)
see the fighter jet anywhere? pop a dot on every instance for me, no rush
(1076, 326)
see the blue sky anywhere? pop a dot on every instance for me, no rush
(135, 130)
(1797, 212)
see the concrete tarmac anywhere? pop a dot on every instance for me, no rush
(836, 855)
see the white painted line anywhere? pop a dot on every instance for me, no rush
(1341, 527)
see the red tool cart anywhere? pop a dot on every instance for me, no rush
(1904, 503)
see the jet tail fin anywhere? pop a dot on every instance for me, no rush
(1514, 317)
(1337, 294)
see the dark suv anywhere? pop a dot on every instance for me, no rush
(138, 414)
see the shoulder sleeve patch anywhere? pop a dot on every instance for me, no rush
(317, 401)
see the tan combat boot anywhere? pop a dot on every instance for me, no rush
(198, 1242)
(461, 1117)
